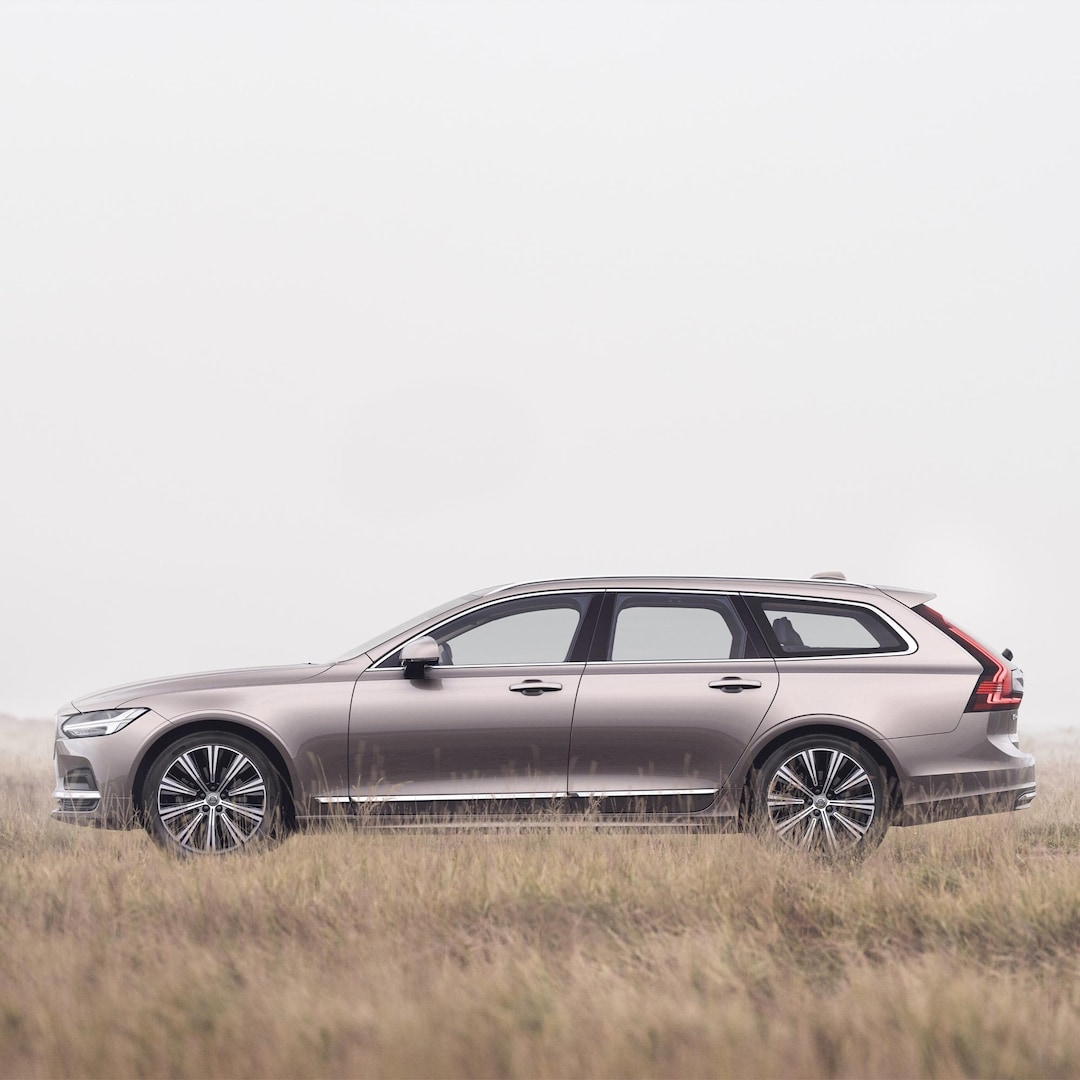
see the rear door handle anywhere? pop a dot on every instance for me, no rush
(732, 684)
(534, 686)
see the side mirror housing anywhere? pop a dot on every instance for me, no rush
(418, 655)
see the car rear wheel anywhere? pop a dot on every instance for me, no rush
(824, 794)
(212, 793)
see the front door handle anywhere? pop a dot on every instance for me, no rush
(732, 684)
(532, 687)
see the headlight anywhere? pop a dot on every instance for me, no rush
(103, 722)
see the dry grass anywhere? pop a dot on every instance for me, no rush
(954, 951)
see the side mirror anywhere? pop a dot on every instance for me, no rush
(418, 655)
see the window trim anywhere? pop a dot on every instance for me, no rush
(766, 630)
(579, 645)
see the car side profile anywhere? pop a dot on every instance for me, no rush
(821, 711)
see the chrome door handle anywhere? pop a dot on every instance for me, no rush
(732, 684)
(534, 686)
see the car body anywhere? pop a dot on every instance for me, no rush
(822, 709)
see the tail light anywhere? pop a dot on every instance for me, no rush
(996, 689)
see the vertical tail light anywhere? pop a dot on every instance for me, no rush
(995, 689)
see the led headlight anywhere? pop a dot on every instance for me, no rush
(103, 722)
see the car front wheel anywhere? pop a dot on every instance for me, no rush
(212, 793)
(824, 794)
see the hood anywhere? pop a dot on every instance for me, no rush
(116, 696)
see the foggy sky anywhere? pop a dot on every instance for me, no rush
(313, 315)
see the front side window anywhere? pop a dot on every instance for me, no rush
(532, 630)
(820, 628)
(674, 626)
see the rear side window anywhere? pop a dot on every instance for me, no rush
(823, 628)
(675, 626)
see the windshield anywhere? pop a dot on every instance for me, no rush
(393, 632)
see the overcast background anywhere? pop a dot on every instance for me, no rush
(314, 315)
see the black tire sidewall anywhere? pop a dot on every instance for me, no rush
(269, 828)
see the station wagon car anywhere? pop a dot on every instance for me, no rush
(820, 711)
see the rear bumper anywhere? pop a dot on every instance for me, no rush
(963, 773)
(945, 807)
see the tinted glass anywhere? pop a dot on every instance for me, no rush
(532, 630)
(674, 627)
(812, 628)
(543, 636)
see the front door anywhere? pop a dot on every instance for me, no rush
(670, 703)
(491, 720)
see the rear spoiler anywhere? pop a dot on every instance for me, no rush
(910, 597)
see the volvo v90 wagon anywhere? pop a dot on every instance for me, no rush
(821, 711)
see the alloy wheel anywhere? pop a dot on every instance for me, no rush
(212, 799)
(821, 799)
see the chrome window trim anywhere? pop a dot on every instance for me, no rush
(681, 663)
(913, 645)
(479, 607)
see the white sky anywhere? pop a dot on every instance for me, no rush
(313, 315)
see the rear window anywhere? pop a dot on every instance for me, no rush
(823, 628)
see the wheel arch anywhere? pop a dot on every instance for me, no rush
(840, 727)
(192, 726)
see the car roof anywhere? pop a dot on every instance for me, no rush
(830, 588)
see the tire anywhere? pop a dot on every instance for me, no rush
(824, 794)
(212, 793)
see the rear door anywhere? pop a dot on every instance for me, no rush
(672, 694)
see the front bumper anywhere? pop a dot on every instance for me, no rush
(88, 806)
(94, 776)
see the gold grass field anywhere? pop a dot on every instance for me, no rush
(953, 951)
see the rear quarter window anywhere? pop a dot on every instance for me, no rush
(823, 628)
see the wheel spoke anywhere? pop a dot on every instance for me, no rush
(211, 834)
(174, 787)
(830, 835)
(858, 776)
(212, 762)
(235, 835)
(810, 765)
(830, 775)
(858, 831)
(810, 830)
(785, 827)
(785, 800)
(252, 787)
(171, 812)
(250, 812)
(238, 763)
(186, 834)
(854, 804)
(188, 765)
(785, 774)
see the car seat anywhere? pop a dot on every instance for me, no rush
(787, 637)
